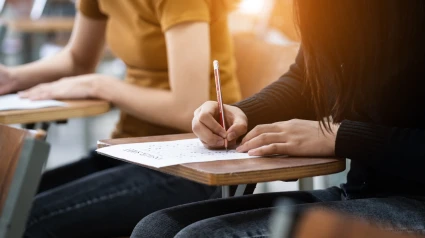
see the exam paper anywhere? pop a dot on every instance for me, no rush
(14, 102)
(162, 154)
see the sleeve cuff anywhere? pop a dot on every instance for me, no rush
(90, 9)
(167, 24)
(360, 140)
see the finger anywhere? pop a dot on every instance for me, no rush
(36, 93)
(211, 147)
(23, 94)
(32, 92)
(42, 96)
(231, 144)
(272, 149)
(206, 117)
(196, 112)
(237, 129)
(261, 129)
(41, 92)
(207, 137)
(262, 140)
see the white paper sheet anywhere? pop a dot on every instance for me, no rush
(14, 102)
(162, 154)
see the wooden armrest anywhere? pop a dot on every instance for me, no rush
(327, 224)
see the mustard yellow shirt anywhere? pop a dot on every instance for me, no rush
(135, 34)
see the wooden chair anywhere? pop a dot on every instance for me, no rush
(259, 63)
(321, 223)
(22, 157)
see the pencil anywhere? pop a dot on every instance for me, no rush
(219, 98)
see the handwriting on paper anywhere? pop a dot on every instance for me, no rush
(161, 154)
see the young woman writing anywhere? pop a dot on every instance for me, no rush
(168, 47)
(362, 64)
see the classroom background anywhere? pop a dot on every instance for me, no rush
(263, 32)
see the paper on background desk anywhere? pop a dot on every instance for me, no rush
(167, 153)
(14, 102)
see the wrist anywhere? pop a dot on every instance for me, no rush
(333, 135)
(13, 77)
(99, 87)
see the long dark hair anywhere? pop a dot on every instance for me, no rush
(356, 47)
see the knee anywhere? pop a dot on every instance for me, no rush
(192, 231)
(38, 230)
(145, 227)
(203, 228)
(156, 225)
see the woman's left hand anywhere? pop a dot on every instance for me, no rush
(295, 137)
(78, 87)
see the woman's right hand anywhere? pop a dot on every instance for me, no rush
(7, 84)
(209, 130)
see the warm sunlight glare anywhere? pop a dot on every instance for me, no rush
(251, 6)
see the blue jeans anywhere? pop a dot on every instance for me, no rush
(101, 197)
(248, 216)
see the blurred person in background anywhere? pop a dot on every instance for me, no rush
(168, 47)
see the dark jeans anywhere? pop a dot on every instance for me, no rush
(248, 216)
(101, 197)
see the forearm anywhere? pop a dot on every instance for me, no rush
(157, 106)
(49, 69)
(399, 151)
(80, 56)
(280, 101)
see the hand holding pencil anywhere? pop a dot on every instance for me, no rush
(209, 125)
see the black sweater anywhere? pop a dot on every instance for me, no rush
(385, 142)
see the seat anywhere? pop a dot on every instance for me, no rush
(321, 223)
(259, 63)
(22, 157)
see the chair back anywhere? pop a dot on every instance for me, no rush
(259, 63)
(22, 157)
(321, 223)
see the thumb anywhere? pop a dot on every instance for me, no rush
(237, 129)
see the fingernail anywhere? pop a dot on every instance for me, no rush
(223, 134)
(239, 149)
(220, 143)
(231, 136)
(252, 152)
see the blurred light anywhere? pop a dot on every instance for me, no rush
(251, 6)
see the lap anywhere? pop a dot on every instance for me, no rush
(391, 213)
(248, 216)
(109, 202)
(176, 218)
(91, 163)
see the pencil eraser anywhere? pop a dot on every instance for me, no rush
(215, 63)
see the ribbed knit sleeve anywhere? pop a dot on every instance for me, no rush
(398, 151)
(281, 100)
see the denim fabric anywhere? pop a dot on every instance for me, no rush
(100, 197)
(248, 216)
